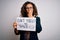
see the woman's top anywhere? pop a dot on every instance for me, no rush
(31, 35)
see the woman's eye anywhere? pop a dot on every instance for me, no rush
(29, 7)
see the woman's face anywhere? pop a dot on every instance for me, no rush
(29, 8)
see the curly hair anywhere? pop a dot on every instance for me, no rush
(24, 12)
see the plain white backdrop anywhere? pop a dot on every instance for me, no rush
(48, 10)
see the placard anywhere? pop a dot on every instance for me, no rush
(26, 24)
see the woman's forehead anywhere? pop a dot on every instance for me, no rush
(29, 5)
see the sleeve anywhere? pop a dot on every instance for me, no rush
(16, 31)
(38, 25)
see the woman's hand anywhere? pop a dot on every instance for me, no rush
(15, 28)
(14, 25)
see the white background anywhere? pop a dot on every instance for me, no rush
(49, 12)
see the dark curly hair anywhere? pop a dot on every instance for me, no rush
(24, 12)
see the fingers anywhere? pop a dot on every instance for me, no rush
(14, 25)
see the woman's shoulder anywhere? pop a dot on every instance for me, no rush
(37, 17)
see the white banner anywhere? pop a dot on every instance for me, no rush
(26, 24)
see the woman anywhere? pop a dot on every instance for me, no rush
(29, 10)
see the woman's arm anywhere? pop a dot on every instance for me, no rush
(16, 31)
(38, 25)
(15, 28)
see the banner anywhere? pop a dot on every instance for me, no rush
(26, 24)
